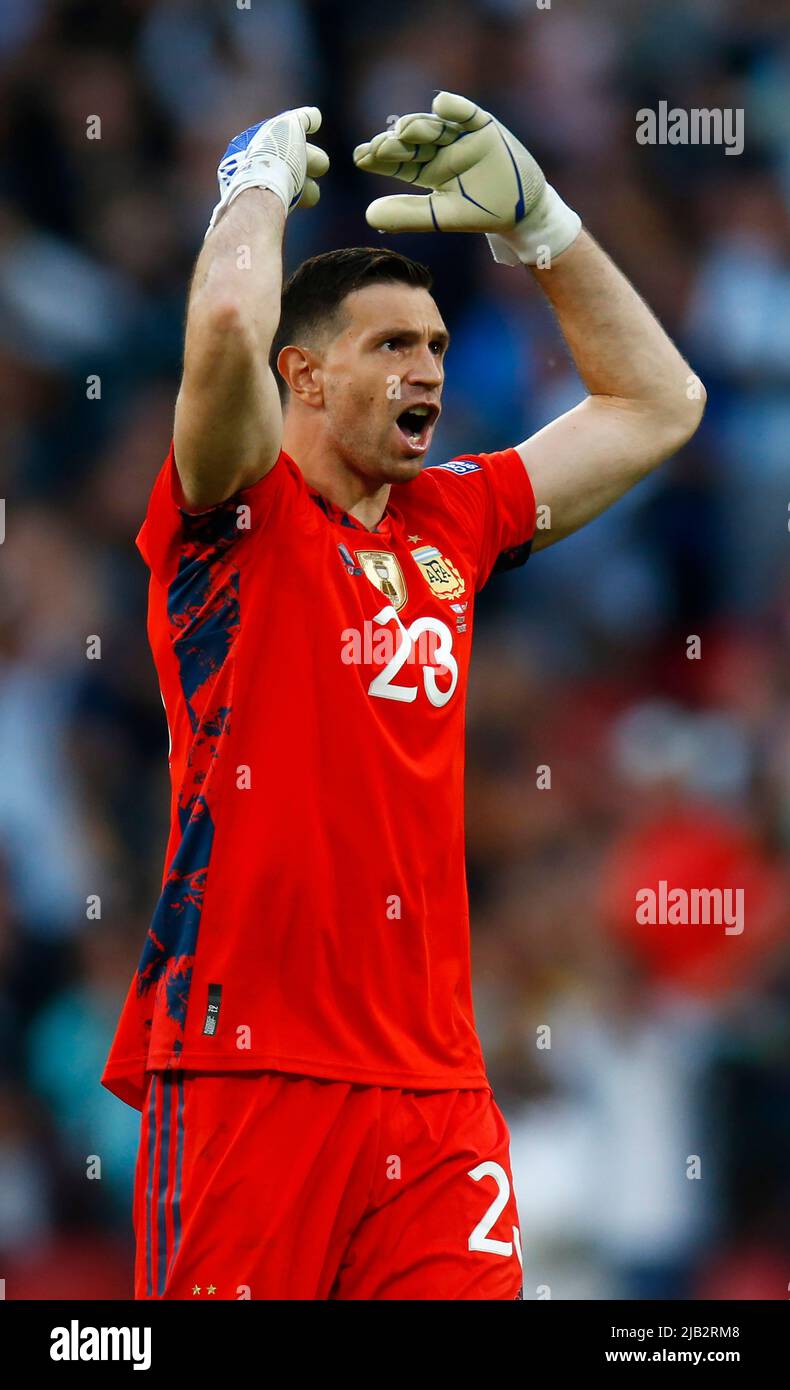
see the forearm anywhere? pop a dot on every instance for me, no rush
(234, 304)
(228, 423)
(623, 355)
(228, 426)
(644, 400)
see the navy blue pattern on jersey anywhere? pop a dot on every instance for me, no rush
(203, 600)
(203, 609)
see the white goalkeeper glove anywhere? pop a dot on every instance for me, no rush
(481, 179)
(274, 154)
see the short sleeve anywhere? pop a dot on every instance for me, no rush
(492, 497)
(171, 525)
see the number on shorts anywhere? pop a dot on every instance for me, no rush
(479, 1239)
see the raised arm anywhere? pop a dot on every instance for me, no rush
(644, 401)
(228, 421)
(228, 424)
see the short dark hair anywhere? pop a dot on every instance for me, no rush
(313, 294)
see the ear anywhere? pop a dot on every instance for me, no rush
(303, 372)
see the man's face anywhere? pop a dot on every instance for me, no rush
(383, 374)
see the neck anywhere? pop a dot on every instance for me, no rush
(325, 469)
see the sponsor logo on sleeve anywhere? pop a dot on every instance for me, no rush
(457, 466)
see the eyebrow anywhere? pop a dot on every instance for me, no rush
(410, 335)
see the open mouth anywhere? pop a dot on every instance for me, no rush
(415, 424)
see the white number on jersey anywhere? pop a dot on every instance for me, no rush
(383, 685)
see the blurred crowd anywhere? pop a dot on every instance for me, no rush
(644, 1070)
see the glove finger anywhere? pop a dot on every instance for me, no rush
(425, 128)
(445, 163)
(452, 107)
(451, 160)
(310, 194)
(372, 165)
(367, 152)
(378, 164)
(317, 160)
(387, 145)
(395, 150)
(406, 212)
(407, 170)
(377, 140)
(423, 121)
(310, 118)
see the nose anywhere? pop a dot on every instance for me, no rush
(426, 368)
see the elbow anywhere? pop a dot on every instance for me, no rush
(222, 316)
(222, 305)
(683, 418)
(219, 333)
(696, 400)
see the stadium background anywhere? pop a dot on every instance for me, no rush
(666, 1043)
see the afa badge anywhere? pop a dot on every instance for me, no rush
(440, 573)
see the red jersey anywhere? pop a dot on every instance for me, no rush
(313, 916)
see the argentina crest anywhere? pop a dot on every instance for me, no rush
(440, 573)
(383, 570)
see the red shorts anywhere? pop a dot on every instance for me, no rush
(262, 1185)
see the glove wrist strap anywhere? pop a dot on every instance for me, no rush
(548, 229)
(262, 171)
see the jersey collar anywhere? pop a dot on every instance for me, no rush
(343, 518)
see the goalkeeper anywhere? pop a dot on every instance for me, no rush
(299, 1035)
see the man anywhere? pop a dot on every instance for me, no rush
(317, 1121)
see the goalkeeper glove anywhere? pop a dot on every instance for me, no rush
(481, 180)
(274, 154)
